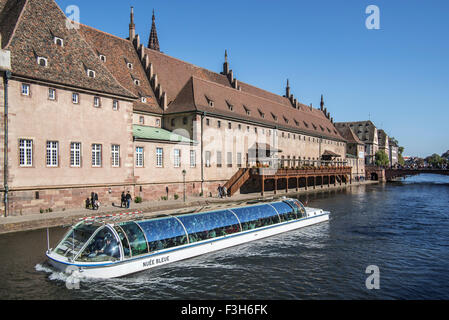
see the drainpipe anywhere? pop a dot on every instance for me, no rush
(6, 169)
(202, 152)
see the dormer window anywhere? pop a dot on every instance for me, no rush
(296, 122)
(261, 114)
(58, 41)
(102, 58)
(275, 118)
(210, 102)
(230, 106)
(43, 62)
(91, 73)
(137, 82)
(143, 99)
(247, 111)
(306, 124)
(286, 120)
(129, 65)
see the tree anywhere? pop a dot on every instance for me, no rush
(435, 160)
(401, 156)
(382, 159)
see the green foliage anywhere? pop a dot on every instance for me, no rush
(176, 197)
(435, 160)
(382, 159)
(164, 198)
(138, 200)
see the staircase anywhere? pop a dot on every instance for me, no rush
(237, 181)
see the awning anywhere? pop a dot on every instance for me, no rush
(328, 153)
(264, 147)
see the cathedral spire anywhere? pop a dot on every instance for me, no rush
(153, 43)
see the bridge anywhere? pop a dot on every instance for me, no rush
(391, 174)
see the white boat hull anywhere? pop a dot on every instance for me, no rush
(163, 257)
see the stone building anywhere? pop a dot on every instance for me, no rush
(394, 152)
(384, 143)
(87, 111)
(367, 132)
(355, 153)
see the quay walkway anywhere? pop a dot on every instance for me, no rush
(154, 208)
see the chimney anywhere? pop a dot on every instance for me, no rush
(287, 91)
(322, 103)
(132, 26)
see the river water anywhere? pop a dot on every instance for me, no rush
(402, 228)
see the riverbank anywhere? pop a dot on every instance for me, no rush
(69, 217)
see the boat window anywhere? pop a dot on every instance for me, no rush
(124, 241)
(136, 238)
(299, 208)
(103, 247)
(76, 239)
(164, 233)
(257, 216)
(210, 225)
(286, 211)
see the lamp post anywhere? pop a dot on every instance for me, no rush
(184, 172)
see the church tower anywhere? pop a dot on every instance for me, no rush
(153, 43)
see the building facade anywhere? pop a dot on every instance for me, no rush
(87, 111)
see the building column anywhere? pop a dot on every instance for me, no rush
(263, 186)
(275, 186)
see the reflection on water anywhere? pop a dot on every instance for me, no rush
(400, 227)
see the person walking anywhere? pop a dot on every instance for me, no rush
(220, 191)
(123, 200)
(128, 200)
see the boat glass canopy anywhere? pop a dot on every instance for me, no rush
(97, 242)
(101, 248)
(210, 225)
(75, 240)
(164, 233)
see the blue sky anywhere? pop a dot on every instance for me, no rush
(397, 76)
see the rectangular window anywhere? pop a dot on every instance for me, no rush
(192, 159)
(51, 94)
(75, 98)
(25, 89)
(219, 124)
(229, 160)
(139, 157)
(177, 158)
(159, 157)
(115, 105)
(75, 154)
(142, 120)
(208, 163)
(219, 162)
(52, 153)
(96, 155)
(239, 160)
(26, 152)
(97, 102)
(115, 155)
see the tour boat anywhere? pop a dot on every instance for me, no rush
(96, 248)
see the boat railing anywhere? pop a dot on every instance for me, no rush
(135, 215)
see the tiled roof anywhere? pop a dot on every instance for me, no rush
(349, 135)
(34, 36)
(10, 11)
(197, 93)
(365, 130)
(123, 62)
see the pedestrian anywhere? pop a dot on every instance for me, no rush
(123, 200)
(225, 192)
(220, 191)
(92, 200)
(96, 202)
(128, 200)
